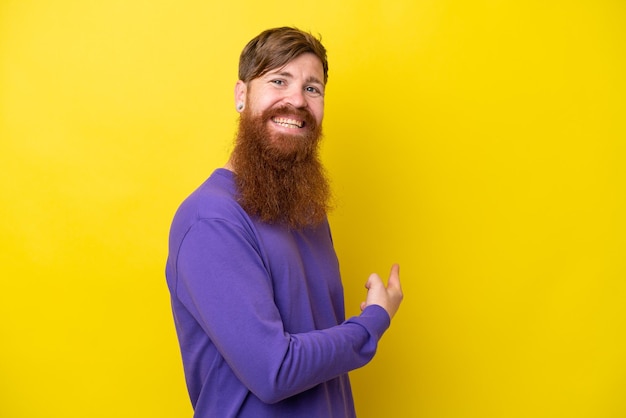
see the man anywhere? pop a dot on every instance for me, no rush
(253, 276)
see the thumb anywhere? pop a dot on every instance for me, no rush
(373, 280)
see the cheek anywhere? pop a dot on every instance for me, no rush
(256, 100)
(260, 105)
(319, 115)
(316, 108)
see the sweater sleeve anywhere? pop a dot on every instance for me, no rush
(222, 281)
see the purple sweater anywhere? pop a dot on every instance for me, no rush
(259, 312)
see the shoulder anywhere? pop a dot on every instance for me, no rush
(213, 200)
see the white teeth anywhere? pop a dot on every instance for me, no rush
(288, 123)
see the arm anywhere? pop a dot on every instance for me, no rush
(224, 283)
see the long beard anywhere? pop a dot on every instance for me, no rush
(279, 177)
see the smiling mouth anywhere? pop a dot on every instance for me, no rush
(289, 123)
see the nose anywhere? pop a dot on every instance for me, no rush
(295, 97)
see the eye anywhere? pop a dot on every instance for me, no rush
(278, 82)
(314, 91)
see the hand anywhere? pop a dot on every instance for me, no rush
(389, 297)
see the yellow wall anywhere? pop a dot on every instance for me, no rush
(480, 143)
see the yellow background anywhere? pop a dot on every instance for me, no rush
(480, 143)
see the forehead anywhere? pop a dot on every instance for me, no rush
(307, 66)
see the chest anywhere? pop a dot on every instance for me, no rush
(305, 276)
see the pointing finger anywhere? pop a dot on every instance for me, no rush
(394, 277)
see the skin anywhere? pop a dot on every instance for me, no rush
(299, 84)
(388, 297)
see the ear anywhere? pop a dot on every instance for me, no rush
(241, 90)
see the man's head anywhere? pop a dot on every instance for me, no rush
(284, 71)
(274, 48)
(280, 95)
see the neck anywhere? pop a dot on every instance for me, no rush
(229, 165)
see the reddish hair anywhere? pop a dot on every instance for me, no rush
(275, 48)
